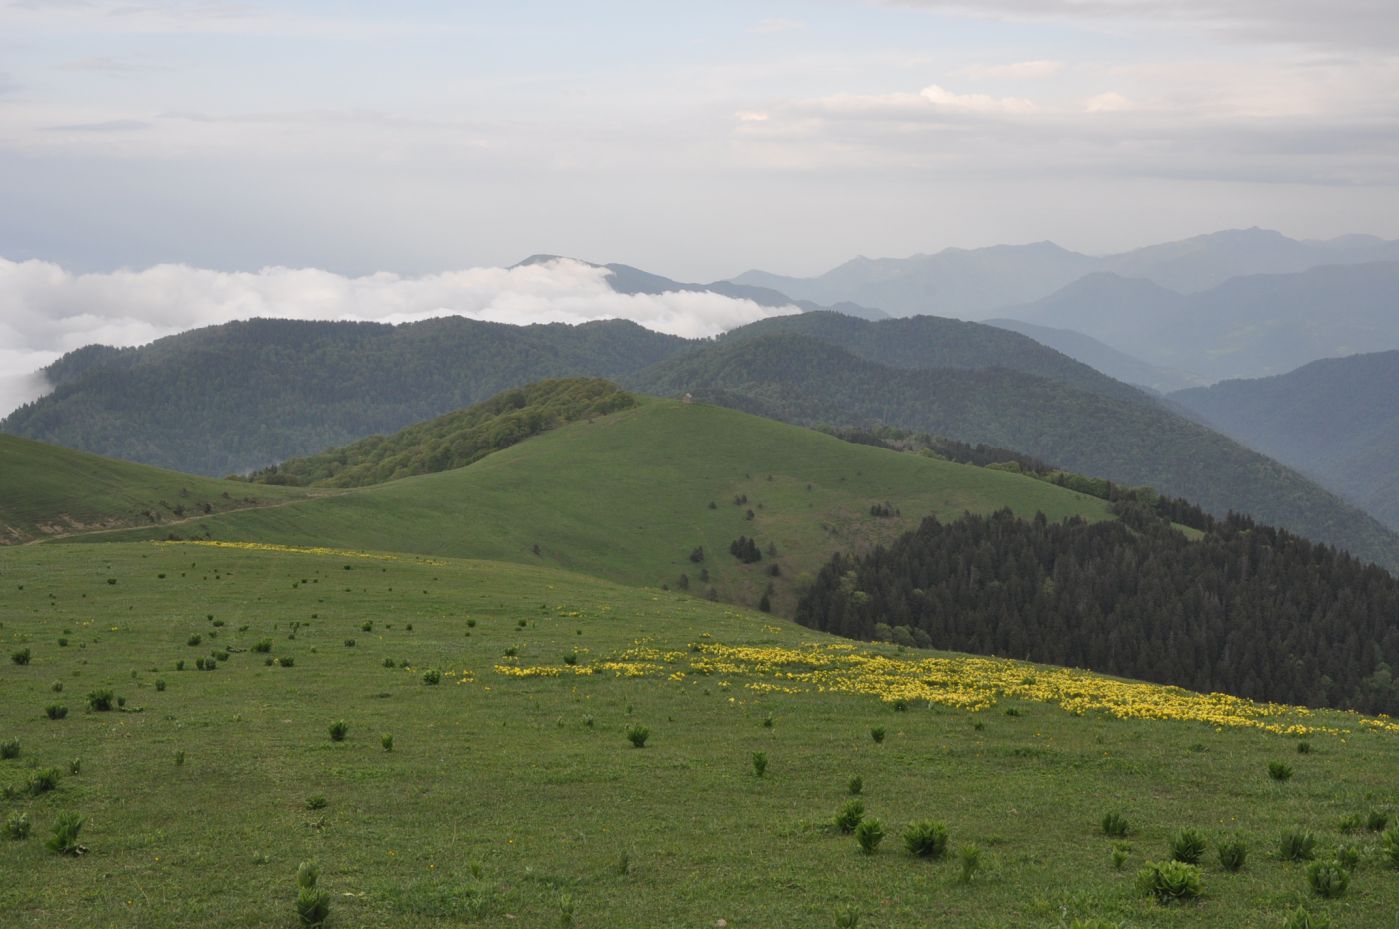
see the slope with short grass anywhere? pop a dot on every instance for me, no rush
(46, 491)
(509, 793)
(632, 496)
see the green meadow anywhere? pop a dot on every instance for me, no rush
(521, 801)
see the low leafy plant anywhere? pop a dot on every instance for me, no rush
(194, 640)
(1114, 824)
(1188, 845)
(768, 721)
(1304, 747)
(850, 815)
(349, 643)
(286, 661)
(869, 834)
(432, 676)
(338, 730)
(262, 646)
(1377, 820)
(9, 748)
(312, 903)
(760, 763)
(386, 740)
(926, 839)
(160, 685)
(390, 663)
(56, 711)
(75, 766)
(43, 781)
(1280, 770)
(877, 733)
(1389, 842)
(17, 826)
(1120, 854)
(847, 917)
(1328, 879)
(570, 658)
(856, 786)
(179, 757)
(1349, 822)
(637, 736)
(64, 840)
(100, 701)
(1232, 853)
(21, 656)
(969, 858)
(1302, 918)
(1297, 845)
(566, 917)
(1349, 856)
(1170, 881)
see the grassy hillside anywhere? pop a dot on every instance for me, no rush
(1132, 441)
(47, 490)
(628, 497)
(512, 792)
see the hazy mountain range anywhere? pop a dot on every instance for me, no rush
(977, 283)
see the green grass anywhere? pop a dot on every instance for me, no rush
(626, 497)
(499, 798)
(50, 490)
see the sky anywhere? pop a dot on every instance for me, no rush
(419, 139)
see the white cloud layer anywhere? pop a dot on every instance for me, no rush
(46, 310)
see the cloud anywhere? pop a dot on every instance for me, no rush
(770, 26)
(46, 310)
(1338, 23)
(975, 103)
(1020, 70)
(1106, 103)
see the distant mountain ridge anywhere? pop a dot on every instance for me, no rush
(975, 283)
(1336, 419)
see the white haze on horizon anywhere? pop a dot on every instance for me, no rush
(46, 311)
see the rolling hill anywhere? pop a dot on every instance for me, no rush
(1099, 356)
(628, 497)
(1335, 419)
(47, 490)
(803, 380)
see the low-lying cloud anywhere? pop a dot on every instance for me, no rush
(46, 310)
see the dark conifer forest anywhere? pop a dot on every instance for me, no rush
(1246, 609)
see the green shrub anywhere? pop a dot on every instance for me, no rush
(1377, 820)
(9, 748)
(194, 640)
(317, 802)
(62, 643)
(566, 917)
(638, 735)
(432, 676)
(570, 658)
(869, 834)
(64, 840)
(367, 626)
(386, 740)
(56, 711)
(75, 766)
(1280, 770)
(969, 858)
(1304, 748)
(1328, 878)
(312, 904)
(20, 657)
(511, 651)
(57, 687)
(160, 685)
(1114, 824)
(1188, 845)
(926, 839)
(877, 733)
(850, 815)
(1297, 845)
(338, 730)
(100, 701)
(760, 763)
(349, 643)
(1170, 881)
(1232, 852)
(179, 757)
(1349, 822)
(286, 661)
(43, 781)
(768, 721)
(17, 826)
(856, 785)
(389, 663)
(262, 646)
